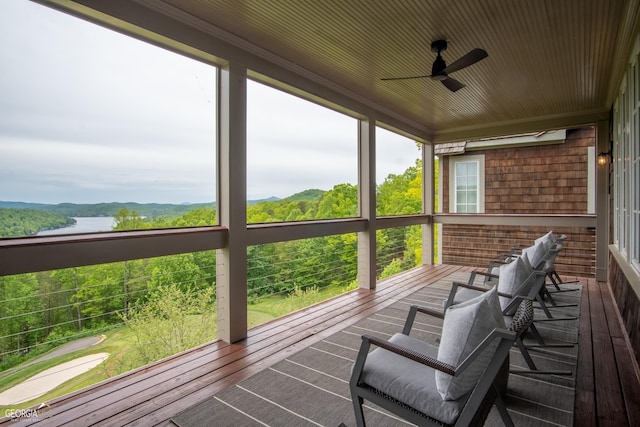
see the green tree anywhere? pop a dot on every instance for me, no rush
(107, 290)
(179, 270)
(339, 202)
(26, 222)
(69, 280)
(174, 319)
(126, 219)
(401, 194)
(196, 218)
(263, 264)
(21, 323)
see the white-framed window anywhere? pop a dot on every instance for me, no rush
(634, 163)
(615, 177)
(626, 165)
(466, 184)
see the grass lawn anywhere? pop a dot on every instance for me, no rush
(120, 344)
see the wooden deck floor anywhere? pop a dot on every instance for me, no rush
(607, 391)
(607, 384)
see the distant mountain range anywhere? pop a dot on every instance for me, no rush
(110, 209)
(144, 209)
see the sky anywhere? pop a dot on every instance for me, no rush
(88, 115)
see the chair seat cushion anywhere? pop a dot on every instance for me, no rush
(410, 382)
(465, 326)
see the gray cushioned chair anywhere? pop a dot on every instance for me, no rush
(535, 280)
(454, 384)
(550, 241)
(518, 286)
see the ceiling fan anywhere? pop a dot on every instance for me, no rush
(439, 69)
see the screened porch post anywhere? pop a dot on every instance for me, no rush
(367, 203)
(231, 271)
(427, 203)
(602, 202)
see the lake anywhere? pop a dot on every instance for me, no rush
(84, 224)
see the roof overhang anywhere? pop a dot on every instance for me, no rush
(551, 64)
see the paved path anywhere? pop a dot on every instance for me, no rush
(70, 347)
(67, 348)
(49, 379)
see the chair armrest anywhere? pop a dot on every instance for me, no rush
(430, 312)
(481, 289)
(507, 338)
(410, 354)
(486, 274)
(413, 310)
(473, 287)
(454, 288)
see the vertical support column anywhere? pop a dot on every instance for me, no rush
(231, 276)
(602, 203)
(427, 203)
(367, 203)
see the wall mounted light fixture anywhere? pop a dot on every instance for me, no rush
(603, 158)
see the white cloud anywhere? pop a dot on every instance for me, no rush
(90, 115)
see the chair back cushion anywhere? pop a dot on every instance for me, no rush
(465, 326)
(536, 254)
(548, 240)
(514, 279)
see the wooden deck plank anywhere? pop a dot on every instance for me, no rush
(201, 394)
(138, 398)
(609, 406)
(203, 391)
(606, 390)
(585, 402)
(192, 362)
(623, 357)
(628, 380)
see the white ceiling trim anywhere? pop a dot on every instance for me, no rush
(516, 127)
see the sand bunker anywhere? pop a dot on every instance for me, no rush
(49, 379)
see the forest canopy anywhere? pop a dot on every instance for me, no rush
(45, 308)
(27, 222)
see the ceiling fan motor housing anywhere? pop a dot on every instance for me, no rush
(438, 64)
(439, 69)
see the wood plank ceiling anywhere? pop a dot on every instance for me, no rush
(551, 62)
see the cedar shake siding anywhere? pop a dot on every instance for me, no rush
(542, 179)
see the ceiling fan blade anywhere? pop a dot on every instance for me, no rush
(469, 59)
(404, 78)
(452, 84)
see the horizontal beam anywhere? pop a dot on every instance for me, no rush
(31, 254)
(587, 221)
(259, 234)
(402, 221)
